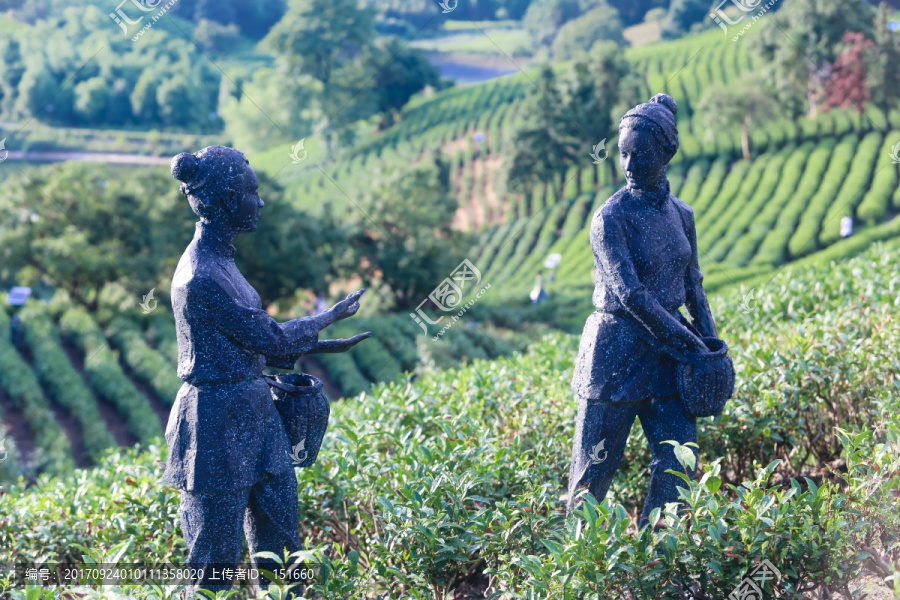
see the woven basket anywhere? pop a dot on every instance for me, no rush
(304, 411)
(706, 381)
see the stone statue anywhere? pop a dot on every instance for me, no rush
(646, 267)
(228, 450)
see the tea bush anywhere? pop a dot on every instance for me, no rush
(62, 381)
(421, 486)
(106, 376)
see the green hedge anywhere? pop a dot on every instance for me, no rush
(64, 382)
(147, 364)
(21, 387)
(106, 376)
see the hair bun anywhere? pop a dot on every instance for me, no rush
(667, 101)
(184, 167)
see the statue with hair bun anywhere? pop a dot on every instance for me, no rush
(646, 264)
(228, 449)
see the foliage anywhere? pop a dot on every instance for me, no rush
(682, 15)
(101, 365)
(78, 226)
(160, 80)
(290, 249)
(63, 382)
(419, 485)
(580, 34)
(801, 46)
(848, 84)
(270, 109)
(741, 105)
(401, 235)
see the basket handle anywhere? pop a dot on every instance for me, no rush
(286, 387)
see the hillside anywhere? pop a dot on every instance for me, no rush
(753, 218)
(458, 479)
(748, 223)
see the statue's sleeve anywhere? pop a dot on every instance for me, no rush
(610, 247)
(252, 328)
(696, 303)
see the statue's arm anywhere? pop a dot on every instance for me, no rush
(696, 303)
(252, 328)
(617, 268)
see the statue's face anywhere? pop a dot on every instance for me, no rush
(250, 203)
(642, 157)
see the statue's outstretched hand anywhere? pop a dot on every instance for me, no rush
(343, 309)
(339, 345)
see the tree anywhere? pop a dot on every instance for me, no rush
(92, 97)
(79, 226)
(214, 37)
(290, 249)
(11, 70)
(740, 105)
(848, 82)
(36, 89)
(402, 235)
(272, 109)
(594, 92)
(633, 11)
(542, 148)
(579, 35)
(882, 61)
(316, 37)
(545, 17)
(682, 15)
(802, 45)
(398, 72)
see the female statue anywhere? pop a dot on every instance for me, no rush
(228, 450)
(645, 259)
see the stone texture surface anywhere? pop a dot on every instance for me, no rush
(228, 450)
(646, 265)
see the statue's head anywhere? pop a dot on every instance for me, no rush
(220, 186)
(648, 139)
